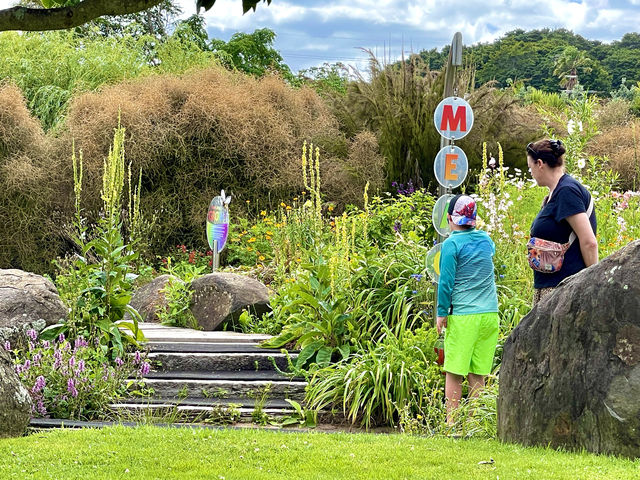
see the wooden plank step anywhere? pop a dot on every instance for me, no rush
(155, 332)
(260, 375)
(195, 411)
(189, 361)
(176, 388)
(245, 402)
(192, 347)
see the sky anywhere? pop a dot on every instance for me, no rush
(311, 32)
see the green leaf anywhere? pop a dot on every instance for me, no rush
(308, 352)
(323, 357)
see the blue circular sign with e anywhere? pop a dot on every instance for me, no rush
(451, 166)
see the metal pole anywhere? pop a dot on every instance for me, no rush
(215, 263)
(455, 60)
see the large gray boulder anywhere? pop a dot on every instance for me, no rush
(15, 401)
(570, 374)
(221, 297)
(27, 301)
(150, 297)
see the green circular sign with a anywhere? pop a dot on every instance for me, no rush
(451, 166)
(439, 216)
(433, 263)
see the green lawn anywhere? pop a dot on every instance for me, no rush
(156, 453)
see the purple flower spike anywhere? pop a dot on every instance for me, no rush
(397, 226)
(119, 361)
(71, 388)
(136, 358)
(144, 369)
(81, 367)
(72, 361)
(39, 385)
(46, 344)
(7, 345)
(32, 334)
(41, 408)
(61, 338)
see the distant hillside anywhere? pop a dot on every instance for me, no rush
(542, 57)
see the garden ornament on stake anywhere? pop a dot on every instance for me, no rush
(218, 227)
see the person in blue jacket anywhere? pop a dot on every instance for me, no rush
(467, 303)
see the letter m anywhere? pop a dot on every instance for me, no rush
(459, 119)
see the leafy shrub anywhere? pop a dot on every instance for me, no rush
(374, 385)
(177, 311)
(76, 379)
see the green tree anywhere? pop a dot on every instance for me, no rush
(252, 53)
(65, 14)
(567, 64)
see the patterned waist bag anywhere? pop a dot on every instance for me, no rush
(547, 256)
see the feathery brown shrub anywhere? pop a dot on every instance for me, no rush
(29, 234)
(620, 146)
(191, 135)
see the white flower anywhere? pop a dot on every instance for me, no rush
(571, 126)
(582, 163)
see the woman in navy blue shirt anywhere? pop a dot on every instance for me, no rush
(563, 211)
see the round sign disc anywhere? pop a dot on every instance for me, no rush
(217, 223)
(433, 263)
(453, 118)
(451, 166)
(439, 216)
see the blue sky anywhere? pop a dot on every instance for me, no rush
(311, 32)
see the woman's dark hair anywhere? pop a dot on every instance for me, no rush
(549, 151)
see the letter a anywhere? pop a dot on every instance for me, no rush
(454, 121)
(449, 166)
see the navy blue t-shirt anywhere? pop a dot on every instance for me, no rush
(569, 198)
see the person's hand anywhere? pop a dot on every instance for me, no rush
(441, 323)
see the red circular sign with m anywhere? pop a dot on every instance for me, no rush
(453, 118)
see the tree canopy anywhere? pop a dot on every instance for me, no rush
(543, 58)
(65, 14)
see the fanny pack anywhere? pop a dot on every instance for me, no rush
(547, 256)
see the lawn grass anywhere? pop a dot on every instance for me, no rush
(148, 452)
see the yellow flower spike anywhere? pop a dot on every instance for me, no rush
(248, 201)
(269, 232)
(268, 237)
(249, 249)
(263, 213)
(288, 207)
(261, 258)
(331, 208)
(282, 204)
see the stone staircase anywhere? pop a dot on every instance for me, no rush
(198, 375)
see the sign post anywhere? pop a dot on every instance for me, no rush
(218, 227)
(453, 118)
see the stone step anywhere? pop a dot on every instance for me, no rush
(243, 402)
(190, 389)
(193, 361)
(194, 347)
(155, 332)
(243, 375)
(194, 412)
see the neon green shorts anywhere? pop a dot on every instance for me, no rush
(470, 343)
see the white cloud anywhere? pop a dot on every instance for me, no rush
(336, 28)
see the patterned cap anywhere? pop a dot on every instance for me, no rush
(462, 209)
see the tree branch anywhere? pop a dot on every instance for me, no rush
(39, 19)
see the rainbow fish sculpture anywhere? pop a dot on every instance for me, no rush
(218, 221)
